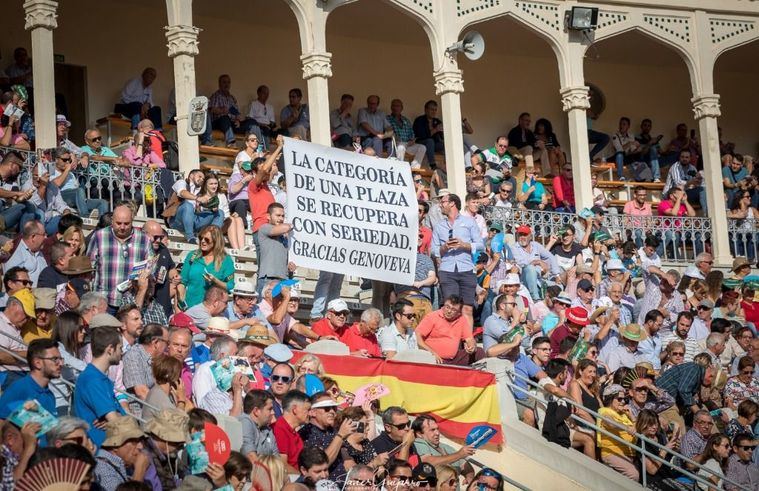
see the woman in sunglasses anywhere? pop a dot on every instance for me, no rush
(614, 454)
(486, 480)
(447, 478)
(207, 266)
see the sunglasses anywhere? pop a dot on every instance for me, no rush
(746, 447)
(623, 400)
(281, 378)
(24, 282)
(96, 139)
(678, 353)
(413, 316)
(158, 237)
(640, 389)
(329, 409)
(402, 426)
(206, 240)
(343, 313)
(66, 160)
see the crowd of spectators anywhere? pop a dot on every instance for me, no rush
(593, 319)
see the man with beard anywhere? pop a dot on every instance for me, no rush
(45, 364)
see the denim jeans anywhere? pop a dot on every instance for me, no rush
(133, 111)
(373, 141)
(189, 222)
(698, 194)
(432, 145)
(653, 161)
(13, 214)
(619, 158)
(77, 199)
(600, 140)
(327, 288)
(530, 277)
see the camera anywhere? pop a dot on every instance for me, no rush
(360, 427)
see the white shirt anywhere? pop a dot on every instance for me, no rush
(11, 344)
(390, 339)
(34, 262)
(203, 381)
(134, 92)
(262, 113)
(181, 185)
(698, 330)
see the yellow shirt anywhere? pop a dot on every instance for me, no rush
(30, 331)
(608, 445)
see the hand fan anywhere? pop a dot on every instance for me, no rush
(54, 475)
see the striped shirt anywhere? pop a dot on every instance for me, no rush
(114, 259)
(403, 130)
(222, 100)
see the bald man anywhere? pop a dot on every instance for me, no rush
(114, 251)
(165, 269)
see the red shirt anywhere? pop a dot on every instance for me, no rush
(324, 328)
(356, 341)
(563, 190)
(557, 336)
(751, 309)
(259, 198)
(441, 335)
(289, 441)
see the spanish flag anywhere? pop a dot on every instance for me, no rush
(458, 398)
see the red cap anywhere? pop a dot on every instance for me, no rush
(183, 320)
(577, 315)
(524, 230)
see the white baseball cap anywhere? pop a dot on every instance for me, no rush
(337, 305)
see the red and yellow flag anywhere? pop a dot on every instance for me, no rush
(458, 398)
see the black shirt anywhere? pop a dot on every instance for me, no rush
(164, 264)
(51, 278)
(422, 128)
(516, 139)
(384, 443)
(313, 436)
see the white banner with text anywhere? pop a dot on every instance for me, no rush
(351, 213)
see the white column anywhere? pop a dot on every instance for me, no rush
(449, 84)
(575, 102)
(41, 20)
(706, 111)
(183, 46)
(317, 68)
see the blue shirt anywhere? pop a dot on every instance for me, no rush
(26, 389)
(525, 367)
(651, 349)
(200, 354)
(493, 328)
(466, 230)
(255, 313)
(93, 399)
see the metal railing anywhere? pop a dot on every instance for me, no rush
(743, 235)
(682, 238)
(639, 437)
(148, 188)
(70, 384)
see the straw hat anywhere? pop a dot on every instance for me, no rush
(169, 425)
(633, 332)
(120, 430)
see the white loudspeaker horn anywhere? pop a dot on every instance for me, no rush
(472, 45)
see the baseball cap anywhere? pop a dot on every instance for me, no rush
(44, 298)
(584, 285)
(512, 279)
(246, 166)
(104, 320)
(524, 230)
(497, 226)
(337, 305)
(424, 473)
(278, 352)
(78, 286)
(181, 319)
(26, 297)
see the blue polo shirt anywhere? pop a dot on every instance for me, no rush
(26, 389)
(93, 399)
(527, 368)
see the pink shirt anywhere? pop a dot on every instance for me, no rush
(667, 205)
(631, 208)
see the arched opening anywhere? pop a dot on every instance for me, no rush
(739, 104)
(639, 78)
(377, 49)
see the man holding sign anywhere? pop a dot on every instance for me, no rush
(454, 241)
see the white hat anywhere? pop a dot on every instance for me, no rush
(614, 264)
(294, 293)
(512, 279)
(220, 325)
(244, 289)
(61, 119)
(337, 305)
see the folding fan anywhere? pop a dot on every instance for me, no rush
(54, 475)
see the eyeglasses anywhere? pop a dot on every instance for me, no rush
(677, 353)
(66, 160)
(343, 313)
(158, 237)
(24, 282)
(281, 378)
(54, 359)
(292, 300)
(640, 389)
(747, 372)
(96, 139)
(593, 352)
(252, 139)
(402, 426)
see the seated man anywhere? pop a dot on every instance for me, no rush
(225, 113)
(535, 261)
(17, 205)
(680, 142)
(186, 219)
(625, 146)
(428, 130)
(341, 123)
(137, 99)
(263, 113)
(649, 148)
(361, 336)
(433, 451)
(522, 140)
(294, 117)
(442, 332)
(104, 168)
(683, 174)
(496, 156)
(373, 126)
(73, 194)
(405, 140)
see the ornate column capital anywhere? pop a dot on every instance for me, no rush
(575, 98)
(183, 40)
(40, 13)
(706, 106)
(316, 65)
(449, 80)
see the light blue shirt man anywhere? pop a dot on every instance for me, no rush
(34, 262)
(466, 230)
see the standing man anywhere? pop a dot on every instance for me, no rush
(397, 439)
(165, 268)
(114, 250)
(428, 130)
(28, 254)
(272, 248)
(138, 376)
(137, 100)
(373, 126)
(454, 240)
(295, 408)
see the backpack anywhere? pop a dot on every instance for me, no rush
(642, 172)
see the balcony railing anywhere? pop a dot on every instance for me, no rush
(681, 238)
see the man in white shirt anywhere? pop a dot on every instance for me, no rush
(263, 113)
(399, 335)
(28, 254)
(137, 100)
(625, 146)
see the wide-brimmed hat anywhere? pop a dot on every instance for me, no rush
(259, 334)
(44, 298)
(613, 389)
(169, 425)
(121, 429)
(563, 298)
(739, 262)
(244, 289)
(220, 326)
(577, 315)
(614, 264)
(633, 332)
(597, 313)
(78, 265)
(61, 119)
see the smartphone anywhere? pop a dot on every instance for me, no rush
(450, 234)
(360, 427)
(671, 428)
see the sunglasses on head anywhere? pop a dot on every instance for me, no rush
(285, 379)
